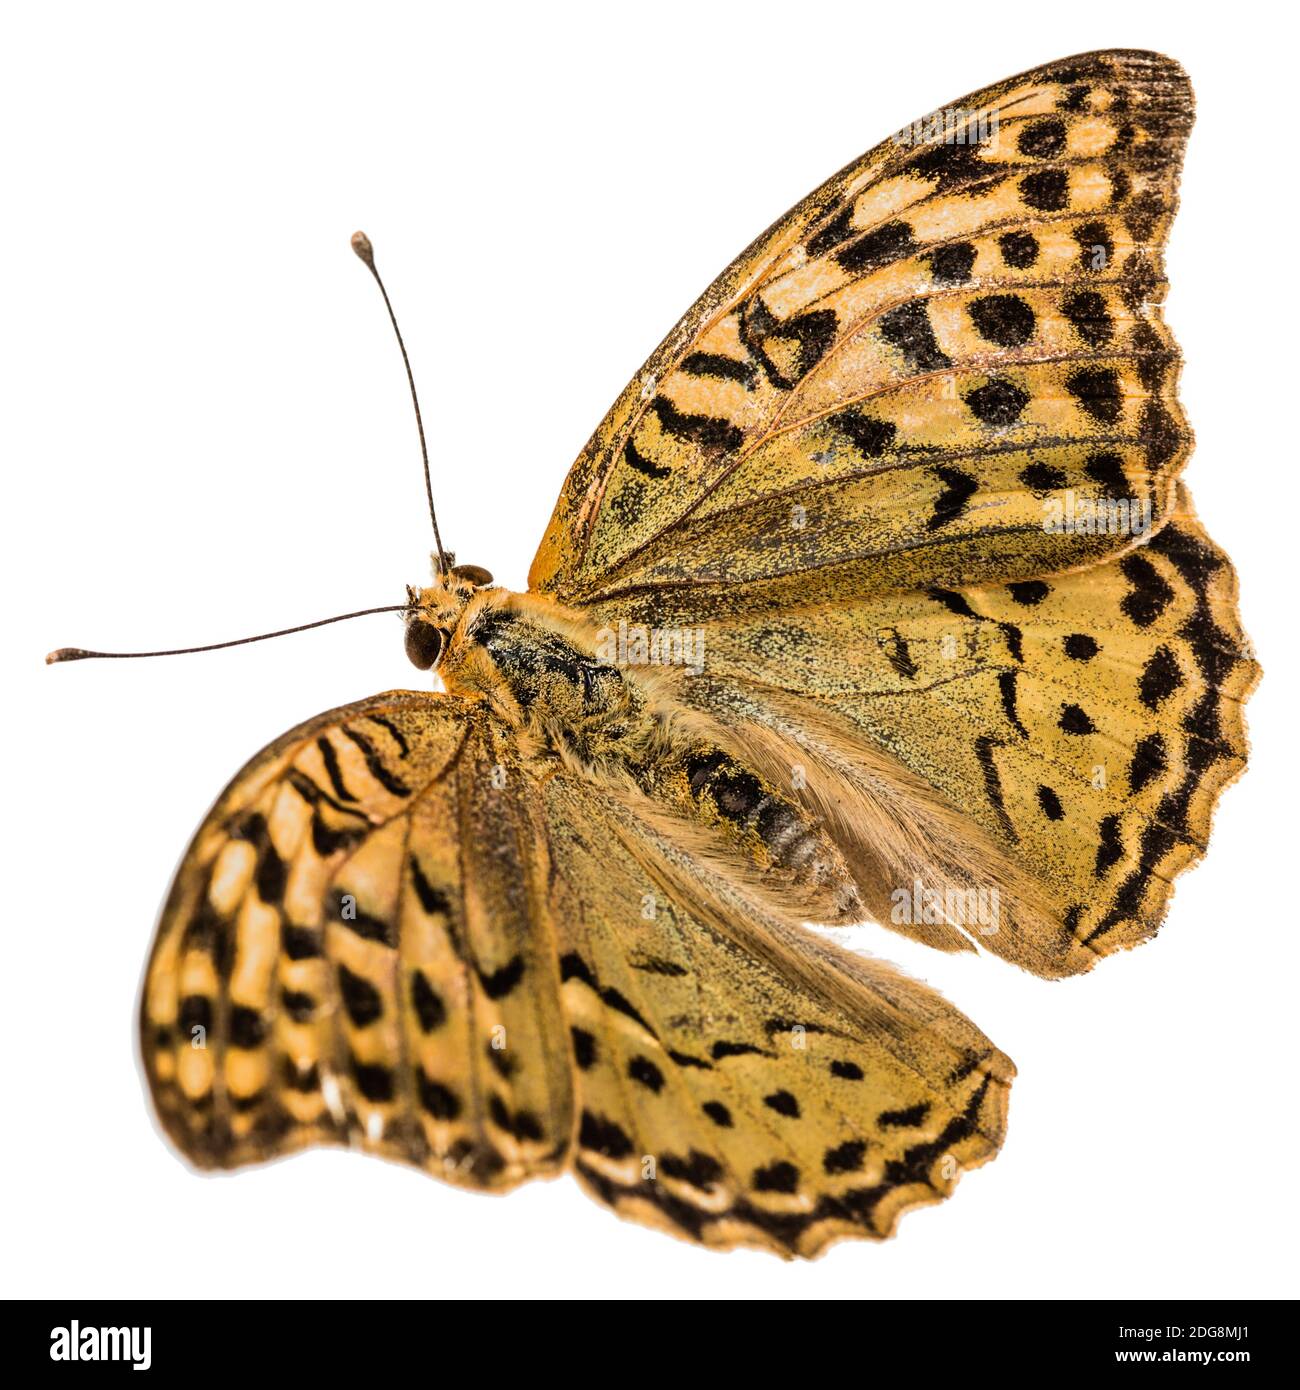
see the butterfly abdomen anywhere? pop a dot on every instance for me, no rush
(764, 823)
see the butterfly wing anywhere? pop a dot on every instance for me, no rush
(389, 933)
(740, 1081)
(357, 950)
(844, 463)
(1083, 723)
(888, 383)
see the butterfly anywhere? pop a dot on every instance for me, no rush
(876, 593)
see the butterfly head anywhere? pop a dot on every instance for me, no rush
(436, 612)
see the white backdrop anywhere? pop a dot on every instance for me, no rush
(207, 434)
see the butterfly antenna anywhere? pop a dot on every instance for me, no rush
(366, 252)
(79, 654)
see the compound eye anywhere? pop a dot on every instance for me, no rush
(424, 644)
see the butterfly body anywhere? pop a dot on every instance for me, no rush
(551, 918)
(548, 674)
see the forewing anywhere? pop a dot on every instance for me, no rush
(740, 1081)
(888, 385)
(357, 950)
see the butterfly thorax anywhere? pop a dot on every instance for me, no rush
(544, 672)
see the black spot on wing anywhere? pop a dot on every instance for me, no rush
(713, 364)
(331, 760)
(498, 984)
(1007, 689)
(636, 459)
(1019, 249)
(362, 923)
(1107, 470)
(1161, 676)
(427, 1003)
(251, 828)
(953, 167)
(1097, 390)
(953, 602)
(958, 489)
(998, 402)
(898, 653)
(870, 437)
(396, 733)
(584, 1048)
(908, 329)
(360, 998)
(784, 1103)
(1042, 477)
(698, 1169)
(329, 839)
(622, 1005)
(1089, 317)
(520, 1124)
(300, 1006)
(272, 874)
(1074, 98)
(684, 1059)
(710, 433)
(573, 967)
(844, 1158)
(984, 747)
(432, 899)
(375, 1082)
(1003, 319)
(1096, 246)
(1074, 720)
(952, 265)
(837, 230)
(1149, 595)
(656, 965)
(1150, 760)
(776, 1177)
(812, 333)
(603, 1136)
(438, 1100)
(301, 943)
(1043, 139)
(904, 1119)
(1048, 190)
(1029, 592)
(304, 1081)
(643, 1071)
(195, 1012)
(1110, 848)
(375, 764)
(877, 248)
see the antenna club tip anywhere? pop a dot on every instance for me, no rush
(65, 654)
(361, 245)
